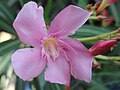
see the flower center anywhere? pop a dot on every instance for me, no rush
(51, 47)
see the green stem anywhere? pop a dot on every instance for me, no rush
(93, 18)
(98, 37)
(109, 58)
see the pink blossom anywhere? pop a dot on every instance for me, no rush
(102, 47)
(63, 56)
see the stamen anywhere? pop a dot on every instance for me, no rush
(51, 47)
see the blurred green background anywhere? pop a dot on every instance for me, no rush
(106, 78)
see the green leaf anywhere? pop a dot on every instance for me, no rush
(97, 86)
(9, 45)
(36, 84)
(48, 10)
(5, 62)
(114, 10)
(6, 12)
(19, 84)
(89, 31)
(40, 82)
(83, 3)
(7, 27)
(116, 50)
(6, 19)
(61, 3)
(21, 2)
(57, 87)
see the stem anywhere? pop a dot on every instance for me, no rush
(93, 18)
(98, 37)
(67, 87)
(109, 58)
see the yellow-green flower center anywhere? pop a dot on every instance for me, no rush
(51, 47)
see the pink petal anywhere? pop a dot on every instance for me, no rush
(81, 63)
(28, 63)
(58, 71)
(29, 24)
(68, 21)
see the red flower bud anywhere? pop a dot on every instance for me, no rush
(105, 13)
(97, 4)
(102, 47)
(89, 7)
(109, 20)
(100, 17)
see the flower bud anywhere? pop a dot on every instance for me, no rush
(102, 47)
(105, 13)
(96, 64)
(104, 4)
(101, 17)
(107, 21)
(89, 7)
(97, 4)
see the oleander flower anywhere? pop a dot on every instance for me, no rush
(63, 56)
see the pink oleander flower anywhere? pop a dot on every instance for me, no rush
(63, 56)
(102, 47)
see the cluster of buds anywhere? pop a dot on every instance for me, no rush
(100, 14)
(91, 7)
(107, 20)
(99, 7)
